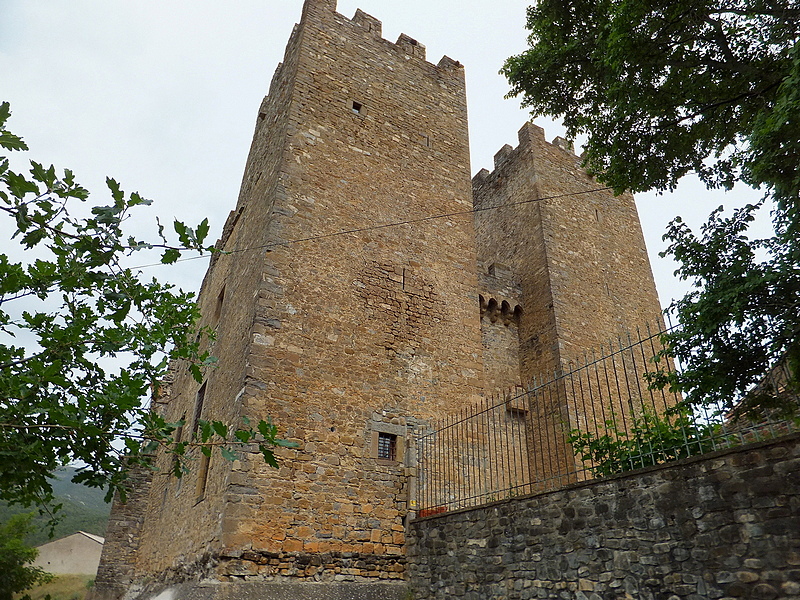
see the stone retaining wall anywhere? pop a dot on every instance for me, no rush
(725, 525)
(337, 566)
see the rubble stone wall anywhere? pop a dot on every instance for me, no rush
(722, 525)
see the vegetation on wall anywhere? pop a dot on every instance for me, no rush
(649, 439)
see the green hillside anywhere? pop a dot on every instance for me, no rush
(83, 510)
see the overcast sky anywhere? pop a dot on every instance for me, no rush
(162, 95)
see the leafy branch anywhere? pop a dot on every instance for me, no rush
(84, 340)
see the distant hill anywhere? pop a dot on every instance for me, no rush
(83, 510)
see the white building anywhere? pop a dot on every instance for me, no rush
(76, 554)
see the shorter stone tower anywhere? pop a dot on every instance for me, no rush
(562, 263)
(563, 270)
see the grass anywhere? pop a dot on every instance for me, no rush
(63, 587)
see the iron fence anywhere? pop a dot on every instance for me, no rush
(599, 418)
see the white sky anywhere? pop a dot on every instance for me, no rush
(162, 95)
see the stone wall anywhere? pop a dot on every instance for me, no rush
(724, 525)
(185, 521)
(116, 570)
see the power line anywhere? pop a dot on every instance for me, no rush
(321, 236)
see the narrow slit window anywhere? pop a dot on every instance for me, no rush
(357, 107)
(220, 302)
(202, 477)
(176, 459)
(198, 407)
(387, 446)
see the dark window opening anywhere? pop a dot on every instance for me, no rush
(220, 302)
(357, 106)
(198, 407)
(387, 446)
(176, 459)
(202, 477)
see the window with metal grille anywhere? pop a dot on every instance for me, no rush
(387, 446)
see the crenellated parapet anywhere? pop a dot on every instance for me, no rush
(532, 143)
(405, 44)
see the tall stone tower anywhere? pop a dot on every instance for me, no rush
(347, 341)
(352, 313)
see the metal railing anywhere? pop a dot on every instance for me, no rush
(599, 418)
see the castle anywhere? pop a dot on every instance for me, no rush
(367, 287)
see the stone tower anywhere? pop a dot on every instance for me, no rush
(347, 341)
(353, 336)
(563, 271)
(561, 247)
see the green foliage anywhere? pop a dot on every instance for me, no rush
(649, 440)
(742, 317)
(69, 311)
(670, 87)
(16, 574)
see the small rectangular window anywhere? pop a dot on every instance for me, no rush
(357, 106)
(387, 446)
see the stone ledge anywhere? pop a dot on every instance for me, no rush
(257, 590)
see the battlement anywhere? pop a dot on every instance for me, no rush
(410, 47)
(529, 136)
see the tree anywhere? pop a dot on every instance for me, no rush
(16, 574)
(741, 319)
(669, 87)
(68, 305)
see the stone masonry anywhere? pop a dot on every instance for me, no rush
(354, 337)
(724, 525)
